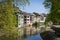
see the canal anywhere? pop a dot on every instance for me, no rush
(23, 35)
(34, 37)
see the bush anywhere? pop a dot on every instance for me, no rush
(36, 24)
(9, 34)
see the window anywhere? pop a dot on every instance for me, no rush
(25, 22)
(24, 16)
(24, 19)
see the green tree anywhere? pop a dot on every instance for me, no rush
(54, 14)
(36, 24)
(8, 30)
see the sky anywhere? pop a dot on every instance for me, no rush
(35, 6)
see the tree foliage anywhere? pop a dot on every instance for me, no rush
(54, 14)
(36, 24)
(8, 19)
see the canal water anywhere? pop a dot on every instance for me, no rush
(34, 37)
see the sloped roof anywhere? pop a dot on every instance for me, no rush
(36, 14)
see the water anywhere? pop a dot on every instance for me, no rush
(30, 37)
(34, 37)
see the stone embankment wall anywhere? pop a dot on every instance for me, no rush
(49, 34)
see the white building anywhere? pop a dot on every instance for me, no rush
(26, 18)
(42, 18)
(20, 18)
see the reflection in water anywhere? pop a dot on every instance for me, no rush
(33, 37)
(24, 36)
